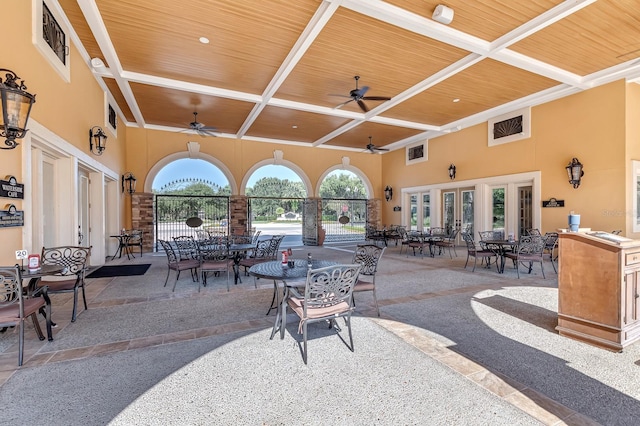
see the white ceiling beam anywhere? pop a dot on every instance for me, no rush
(99, 30)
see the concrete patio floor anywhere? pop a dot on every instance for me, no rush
(451, 347)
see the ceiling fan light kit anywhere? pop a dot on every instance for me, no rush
(442, 14)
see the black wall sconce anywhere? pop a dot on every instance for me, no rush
(97, 140)
(16, 107)
(130, 180)
(575, 172)
(388, 193)
(452, 171)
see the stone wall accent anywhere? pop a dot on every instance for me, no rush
(142, 217)
(373, 213)
(239, 211)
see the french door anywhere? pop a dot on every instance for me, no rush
(458, 210)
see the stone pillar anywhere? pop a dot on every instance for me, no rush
(373, 213)
(239, 211)
(142, 217)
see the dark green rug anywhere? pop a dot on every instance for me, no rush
(119, 271)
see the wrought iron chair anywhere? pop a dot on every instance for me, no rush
(368, 256)
(75, 260)
(214, 259)
(135, 240)
(477, 253)
(551, 248)
(448, 242)
(265, 251)
(375, 235)
(178, 264)
(327, 296)
(529, 250)
(533, 231)
(15, 307)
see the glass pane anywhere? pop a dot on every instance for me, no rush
(467, 211)
(426, 211)
(413, 220)
(498, 209)
(448, 210)
(525, 214)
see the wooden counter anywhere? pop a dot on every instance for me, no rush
(598, 280)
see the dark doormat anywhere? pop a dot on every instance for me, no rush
(119, 271)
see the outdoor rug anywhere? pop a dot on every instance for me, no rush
(119, 271)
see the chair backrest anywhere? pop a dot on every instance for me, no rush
(135, 237)
(531, 244)
(550, 240)
(187, 247)
(262, 249)
(74, 259)
(216, 253)
(276, 240)
(172, 257)
(468, 238)
(491, 235)
(368, 255)
(533, 231)
(256, 234)
(202, 235)
(453, 234)
(329, 286)
(11, 290)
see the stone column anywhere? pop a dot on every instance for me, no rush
(373, 213)
(142, 217)
(239, 211)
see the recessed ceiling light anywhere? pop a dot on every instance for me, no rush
(456, 100)
(294, 127)
(204, 40)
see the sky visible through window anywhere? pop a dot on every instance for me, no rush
(188, 168)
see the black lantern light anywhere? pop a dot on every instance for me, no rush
(388, 193)
(575, 172)
(452, 171)
(97, 140)
(130, 180)
(16, 106)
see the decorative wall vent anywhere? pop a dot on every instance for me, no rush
(50, 35)
(510, 127)
(112, 117)
(417, 152)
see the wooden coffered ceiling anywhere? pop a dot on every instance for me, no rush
(274, 70)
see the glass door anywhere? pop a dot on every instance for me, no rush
(456, 214)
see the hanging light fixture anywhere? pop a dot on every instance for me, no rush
(97, 140)
(388, 193)
(575, 172)
(16, 106)
(452, 171)
(130, 180)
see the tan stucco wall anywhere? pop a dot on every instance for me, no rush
(589, 125)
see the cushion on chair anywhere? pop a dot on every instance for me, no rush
(214, 265)
(185, 264)
(297, 305)
(61, 285)
(11, 313)
(363, 286)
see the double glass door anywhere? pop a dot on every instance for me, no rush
(458, 210)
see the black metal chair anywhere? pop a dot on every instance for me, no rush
(176, 263)
(448, 242)
(528, 251)
(75, 260)
(477, 253)
(16, 308)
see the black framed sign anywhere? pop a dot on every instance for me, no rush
(552, 202)
(10, 188)
(11, 217)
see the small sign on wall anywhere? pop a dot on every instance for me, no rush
(11, 217)
(10, 188)
(553, 203)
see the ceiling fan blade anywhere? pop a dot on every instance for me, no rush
(361, 91)
(376, 98)
(202, 132)
(343, 104)
(363, 106)
(382, 149)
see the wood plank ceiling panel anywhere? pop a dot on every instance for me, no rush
(388, 60)
(601, 35)
(484, 85)
(278, 123)
(485, 19)
(79, 24)
(112, 85)
(381, 134)
(227, 115)
(247, 43)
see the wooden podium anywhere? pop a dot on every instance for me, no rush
(598, 289)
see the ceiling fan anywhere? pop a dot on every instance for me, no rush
(373, 149)
(200, 128)
(358, 95)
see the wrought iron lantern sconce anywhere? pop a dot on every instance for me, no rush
(388, 193)
(130, 180)
(575, 172)
(16, 106)
(452, 171)
(97, 140)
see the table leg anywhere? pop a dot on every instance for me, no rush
(277, 322)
